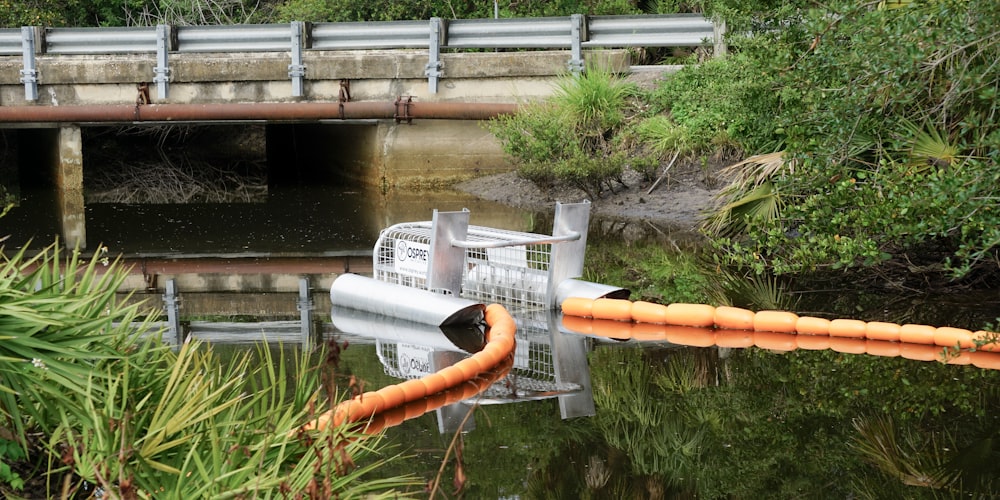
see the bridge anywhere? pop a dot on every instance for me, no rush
(405, 94)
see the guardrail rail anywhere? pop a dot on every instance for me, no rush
(575, 32)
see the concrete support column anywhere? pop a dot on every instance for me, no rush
(68, 177)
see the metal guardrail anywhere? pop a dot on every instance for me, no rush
(99, 40)
(376, 35)
(574, 32)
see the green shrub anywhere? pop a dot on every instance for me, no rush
(888, 116)
(573, 137)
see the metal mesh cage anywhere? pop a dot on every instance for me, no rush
(402, 254)
(514, 275)
(532, 376)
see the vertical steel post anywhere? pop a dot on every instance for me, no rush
(297, 70)
(162, 70)
(566, 259)
(305, 307)
(719, 34)
(569, 362)
(433, 67)
(29, 73)
(172, 304)
(446, 261)
(578, 33)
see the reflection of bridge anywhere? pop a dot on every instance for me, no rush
(298, 77)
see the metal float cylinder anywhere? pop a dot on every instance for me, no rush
(388, 299)
(588, 290)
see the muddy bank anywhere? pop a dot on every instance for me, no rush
(679, 201)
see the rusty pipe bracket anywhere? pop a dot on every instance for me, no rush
(142, 94)
(345, 91)
(405, 107)
(345, 95)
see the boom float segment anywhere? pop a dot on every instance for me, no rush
(389, 405)
(622, 319)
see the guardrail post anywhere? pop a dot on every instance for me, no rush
(433, 67)
(29, 72)
(719, 33)
(578, 32)
(162, 70)
(172, 304)
(297, 70)
(305, 307)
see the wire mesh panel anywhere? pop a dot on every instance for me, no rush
(515, 275)
(533, 375)
(402, 254)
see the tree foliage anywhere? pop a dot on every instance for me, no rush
(888, 116)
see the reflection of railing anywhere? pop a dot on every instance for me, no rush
(282, 331)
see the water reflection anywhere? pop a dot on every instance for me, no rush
(295, 220)
(751, 416)
(546, 363)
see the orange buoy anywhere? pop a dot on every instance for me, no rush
(690, 336)
(393, 416)
(578, 324)
(734, 318)
(990, 340)
(883, 348)
(920, 352)
(917, 334)
(736, 339)
(849, 345)
(949, 337)
(648, 312)
(414, 389)
(452, 376)
(434, 382)
(649, 332)
(958, 357)
(613, 309)
(775, 321)
(612, 329)
(877, 330)
(985, 359)
(491, 355)
(371, 402)
(415, 408)
(392, 396)
(812, 342)
(848, 328)
(775, 341)
(578, 306)
(690, 315)
(812, 326)
(438, 399)
(469, 367)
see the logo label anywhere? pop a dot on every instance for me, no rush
(414, 360)
(411, 258)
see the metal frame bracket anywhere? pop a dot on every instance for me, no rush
(578, 34)
(433, 67)
(297, 70)
(29, 73)
(161, 71)
(402, 112)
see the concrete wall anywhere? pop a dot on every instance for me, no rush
(502, 77)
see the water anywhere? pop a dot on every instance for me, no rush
(623, 419)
